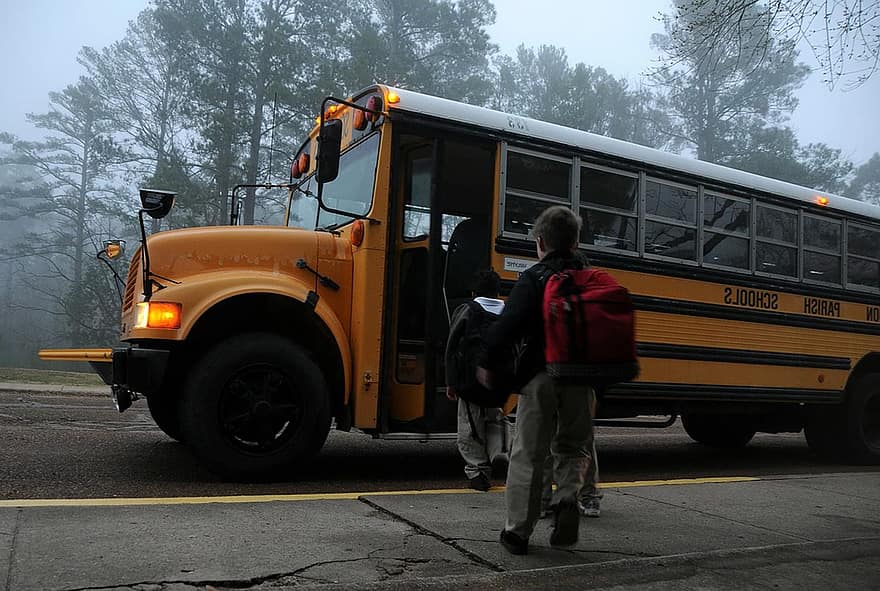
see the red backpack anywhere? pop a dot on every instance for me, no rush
(589, 328)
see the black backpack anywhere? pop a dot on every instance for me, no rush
(467, 353)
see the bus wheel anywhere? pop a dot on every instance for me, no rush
(717, 430)
(255, 405)
(165, 411)
(863, 420)
(825, 431)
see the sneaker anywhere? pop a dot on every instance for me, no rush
(480, 482)
(513, 543)
(589, 507)
(500, 463)
(565, 525)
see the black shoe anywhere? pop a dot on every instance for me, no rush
(479, 482)
(513, 543)
(500, 463)
(566, 522)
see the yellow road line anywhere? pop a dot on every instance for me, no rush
(118, 502)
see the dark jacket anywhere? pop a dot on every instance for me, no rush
(523, 317)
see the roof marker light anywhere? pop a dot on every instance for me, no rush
(822, 200)
(374, 108)
(393, 98)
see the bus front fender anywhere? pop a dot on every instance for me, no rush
(200, 294)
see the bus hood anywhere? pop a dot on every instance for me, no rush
(178, 254)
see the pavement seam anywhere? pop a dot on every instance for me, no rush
(825, 491)
(716, 516)
(425, 531)
(15, 529)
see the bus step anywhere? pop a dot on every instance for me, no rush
(417, 436)
(658, 423)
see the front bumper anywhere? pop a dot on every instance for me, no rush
(138, 370)
(128, 370)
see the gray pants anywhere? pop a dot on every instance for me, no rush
(479, 443)
(550, 417)
(591, 488)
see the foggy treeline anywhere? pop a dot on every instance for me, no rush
(201, 95)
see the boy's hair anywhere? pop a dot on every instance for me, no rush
(559, 227)
(486, 284)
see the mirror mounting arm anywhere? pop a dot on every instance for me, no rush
(235, 205)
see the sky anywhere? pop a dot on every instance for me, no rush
(39, 41)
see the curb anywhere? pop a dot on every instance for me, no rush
(778, 563)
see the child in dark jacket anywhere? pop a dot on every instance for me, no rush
(483, 433)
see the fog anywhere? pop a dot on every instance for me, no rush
(590, 65)
(45, 36)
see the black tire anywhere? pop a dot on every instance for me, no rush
(850, 432)
(254, 407)
(863, 420)
(825, 431)
(727, 432)
(165, 410)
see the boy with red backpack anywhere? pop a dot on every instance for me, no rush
(553, 411)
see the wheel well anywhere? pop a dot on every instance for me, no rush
(266, 312)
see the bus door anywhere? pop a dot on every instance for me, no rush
(443, 198)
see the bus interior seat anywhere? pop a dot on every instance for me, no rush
(468, 253)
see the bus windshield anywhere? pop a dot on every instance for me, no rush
(351, 191)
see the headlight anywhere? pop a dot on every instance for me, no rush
(157, 315)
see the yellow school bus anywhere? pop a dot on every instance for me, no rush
(758, 301)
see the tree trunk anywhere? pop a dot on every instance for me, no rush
(77, 309)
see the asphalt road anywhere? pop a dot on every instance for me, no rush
(78, 446)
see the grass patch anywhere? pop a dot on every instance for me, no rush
(45, 376)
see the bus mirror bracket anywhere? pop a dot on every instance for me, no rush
(156, 204)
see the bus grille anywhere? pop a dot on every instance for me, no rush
(130, 281)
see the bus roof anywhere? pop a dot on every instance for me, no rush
(533, 129)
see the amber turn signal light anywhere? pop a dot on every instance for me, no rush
(357, 233)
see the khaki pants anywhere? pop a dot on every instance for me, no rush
(479, 443)
(555, 418)
(591, 488)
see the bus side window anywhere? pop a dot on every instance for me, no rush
(862, 256)
(822, 240)
(776, 241)
(533, 183)
(608, 209)
(671, 227)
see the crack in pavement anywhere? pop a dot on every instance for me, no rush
(235, 583)
(11, 561)
(447, 541)
(275, 578)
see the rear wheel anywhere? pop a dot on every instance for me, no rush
(718, 430)
(849, 432)
(863, 419)
(255, 406)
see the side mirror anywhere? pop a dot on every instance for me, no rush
(156, 203)
(113, 249)
(329, 148)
